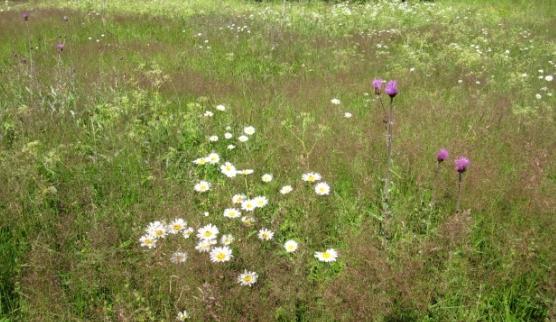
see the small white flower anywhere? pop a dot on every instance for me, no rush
(260, 201)
(221, 254)
(348, 115)
(247, 278)
(178, 257)
(213, 158)
(232, 213)
(227, 239)
(246, 171)
(286, 189)
(213, 138)
(182, 316)
(290, 246)
(248, 205)
(221, 107)
(228, 135)
(311, 177)
(231, 147)
(176, 226)
(208, 114)
(238, 198)
(265, 234)
(538, 96)
(249, 130)
(202, 186)
(207, 232)
(267, 177)
(460, 81)
(148, 241)
(243, 138)
(327, 256)
(157, 229)
(335, 101)
(200, 161)
(187, 232)
(322, 188)
(248, 220)
(549, 78)
(228, 128)
(205, 245)
(228, 169)
(205, 214)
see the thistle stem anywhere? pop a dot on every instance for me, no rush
(460, 180)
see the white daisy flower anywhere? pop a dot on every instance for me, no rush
(213, 158)
(267, 177)
(187, 232)
(538, 96)
(327, 256)
(246, 172)
(549, 78)
(207, 232)
(291, 246)
(221, 254)
(311, 177)
(231, 147)
(208, 114)
(243, 138)
(178, 257)
(228, 169)
(249, 130)
(176, 226)
(182, 316)
(247, 278)
(205, 245)
(213, 138)
(248, 205)
(335, 101)
(347, 115)
(248, 220)
(227, 239)
(260, 201)
(228, 135)
(238, 198)
(205, 213)
(221, 107)
(157, 229)
(202, 186)
(232, 213)
(200, 161)
(265, 234)
(148, 241)
(286, 189)
(322, 188)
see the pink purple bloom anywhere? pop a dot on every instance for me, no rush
(377, 85)
(25, 15)
(391, 88)
(442, 155)
(461, 164)
(60, 47)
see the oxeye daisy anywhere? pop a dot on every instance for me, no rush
(267, 177)
(327, 256)
(178, 257)
(187, 232)
(148, 241)
(228, 169)
(200, 161)
(208, 114)
(221, 254)
(232, 213)
(176, 226)
(246, 172)
(221, 107)
(249, 130)
(347, 115)
(213, 138)
(290, 246)
(265, 234)
(260, 201)
(238, 198)
(231, 147)
(157, 229)
(213, 158)
(202, 186)
(322, 188)
(227, 239)
(247, 278)
(207, 232)
(248, 205)
(243, 138)
(311, 177)
(182, 316)
(205, 245)
(286, 189)
(335, 101)
(248, 220)
(228, 135)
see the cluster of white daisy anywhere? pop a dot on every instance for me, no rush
(158, 230)
(321, 188)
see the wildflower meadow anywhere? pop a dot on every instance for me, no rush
(238, 160)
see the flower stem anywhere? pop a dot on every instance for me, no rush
(460, 180)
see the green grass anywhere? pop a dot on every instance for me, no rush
(98, 141)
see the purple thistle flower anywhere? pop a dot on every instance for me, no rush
(461, 164)
(25, 15)
(60, 47)
(377, 85)
(442, 155)
(391, 88)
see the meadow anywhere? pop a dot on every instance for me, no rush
(209, 160)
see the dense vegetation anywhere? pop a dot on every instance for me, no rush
(103, 109)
